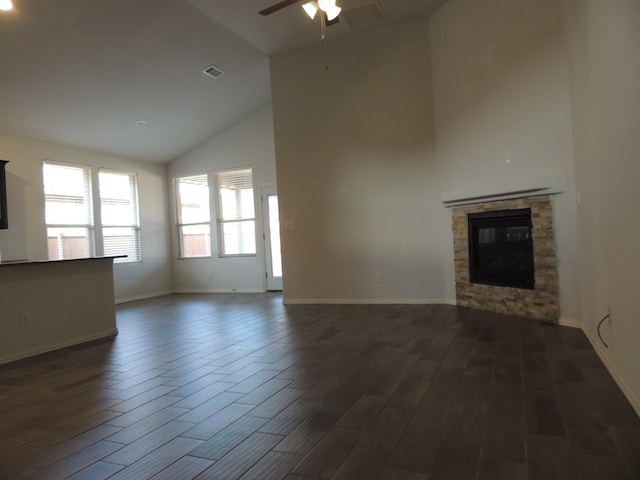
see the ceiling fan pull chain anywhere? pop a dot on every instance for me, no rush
(323, 26)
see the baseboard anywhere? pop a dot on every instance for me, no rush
(12, 357)
(602, 353)
(143, 297)
(368, 301)
(568, 322)
(219, 290)
(186, 290)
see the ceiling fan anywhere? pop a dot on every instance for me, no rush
(328, 9)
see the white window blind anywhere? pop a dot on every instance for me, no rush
(68, 211)
(120, 215)
(194, 219)
(236, 213)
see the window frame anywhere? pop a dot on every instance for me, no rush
(88, 188)
(180, 223)
(220, 222)
(136, 226)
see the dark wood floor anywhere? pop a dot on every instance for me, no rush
(239, 386)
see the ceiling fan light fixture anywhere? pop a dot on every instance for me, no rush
(330, 8)
(332, 12)
(326, 4)
(311, 8)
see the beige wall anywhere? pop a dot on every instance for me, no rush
(50, 305)
(246, 144)
(357, 172)
(417, 114)
(501, 92)
(26, 236)
(604, 37)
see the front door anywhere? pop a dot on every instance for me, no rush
(272, 238)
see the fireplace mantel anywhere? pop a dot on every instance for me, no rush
(529, 188)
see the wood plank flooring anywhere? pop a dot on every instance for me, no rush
(239, 386)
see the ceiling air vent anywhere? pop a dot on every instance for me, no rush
(363, 14)
(213, 71)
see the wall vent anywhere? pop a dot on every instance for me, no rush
(213, 71)
(363, 14)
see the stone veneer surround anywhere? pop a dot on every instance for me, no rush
(541, 303)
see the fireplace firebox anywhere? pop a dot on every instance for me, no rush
(501, 248)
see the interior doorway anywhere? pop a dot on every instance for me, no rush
(273, 257)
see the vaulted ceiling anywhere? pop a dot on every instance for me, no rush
(125, 77)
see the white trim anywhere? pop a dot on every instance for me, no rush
(617, 377)
(12, 357)
(143, 297)
(569, 322)
(368, 301)
(219, 290)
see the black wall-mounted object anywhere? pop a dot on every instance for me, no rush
(501, 248)
(4, 223)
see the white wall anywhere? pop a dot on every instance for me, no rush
(246, 144)
(605, 60)
(501, 91)
(357, 171)
(26, 236)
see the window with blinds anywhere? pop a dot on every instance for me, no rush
(120, 216)
(236, 213)
(194, 219)
(68, 211)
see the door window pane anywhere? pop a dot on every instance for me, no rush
(274, 233)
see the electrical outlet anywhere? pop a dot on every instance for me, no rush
(377, 276)
(24, 319)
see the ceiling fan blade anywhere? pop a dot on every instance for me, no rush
(277, 6)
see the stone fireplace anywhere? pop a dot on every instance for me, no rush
(536, 298)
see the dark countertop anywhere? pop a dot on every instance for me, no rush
(12, 263)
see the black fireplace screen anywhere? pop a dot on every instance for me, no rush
(501, 248)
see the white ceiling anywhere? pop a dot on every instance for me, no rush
(83, 72)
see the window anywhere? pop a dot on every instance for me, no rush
(71, 232)
(119, 215)
(194, 228)
(68, 211)
(236, 213)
